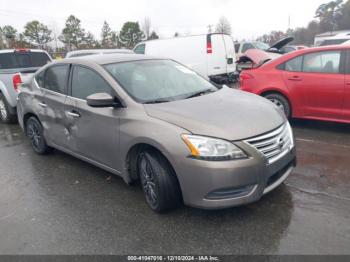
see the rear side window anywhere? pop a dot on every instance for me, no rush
(246, 47)
(294, 65)
(86, 82)
(140, 49)
(56, 78)
(40, 79)
(23, 60)
(322, 62)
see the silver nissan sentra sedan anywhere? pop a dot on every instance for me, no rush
(157, 121)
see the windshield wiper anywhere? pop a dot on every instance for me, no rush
(200, 93)
(157, 101)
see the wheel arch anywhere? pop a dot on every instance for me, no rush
(26, 116)
(279, 92)
(130, 162)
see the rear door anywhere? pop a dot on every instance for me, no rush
(230, 54)
(319, 86)
(346, 108)
(216, 53)
(92, 132)
(51, 103)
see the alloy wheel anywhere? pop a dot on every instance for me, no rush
(34, 135)
(278, 103)
(147, 179)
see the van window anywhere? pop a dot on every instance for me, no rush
(237, 48)
(322, 62)
(140, 49)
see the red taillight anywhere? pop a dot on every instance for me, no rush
(209, 48)
(17, 81)
(245, 76)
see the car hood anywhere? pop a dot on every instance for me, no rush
(229, 114)
(281, 43)
(256, 56)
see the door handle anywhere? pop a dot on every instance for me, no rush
(295, 78)
(74, 114)
(43, 104)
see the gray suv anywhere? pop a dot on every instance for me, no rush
(156, 121)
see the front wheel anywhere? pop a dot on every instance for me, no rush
(35, 133)
(281, 102)
(158, 180)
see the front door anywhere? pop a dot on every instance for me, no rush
(346, 108)
(92, 132)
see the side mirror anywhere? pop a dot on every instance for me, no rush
(102, 100)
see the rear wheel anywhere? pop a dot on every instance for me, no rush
(281, 102)
(35, 133)
(158, 181)
(5, 113)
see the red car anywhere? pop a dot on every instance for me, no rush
(311, 83)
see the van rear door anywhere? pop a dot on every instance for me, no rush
(230, 54)
(216, 54)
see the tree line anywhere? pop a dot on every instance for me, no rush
(331, 16)
(74, 36)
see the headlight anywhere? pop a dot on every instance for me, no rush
(213, 149)
(290, 132)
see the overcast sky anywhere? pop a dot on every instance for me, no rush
(249, 18)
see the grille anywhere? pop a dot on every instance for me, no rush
(274, 145)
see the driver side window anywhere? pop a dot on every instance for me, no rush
(86, 82)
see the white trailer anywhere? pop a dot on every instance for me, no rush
(211, 55)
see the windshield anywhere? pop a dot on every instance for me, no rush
(150, 81)
(23, 60)
(261, 46)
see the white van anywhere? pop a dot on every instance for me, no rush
(212, 55)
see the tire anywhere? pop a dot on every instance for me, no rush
(35, 133)
(281, 102)
(5, 113)
(158, 181)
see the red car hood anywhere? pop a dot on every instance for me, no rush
(256, 56)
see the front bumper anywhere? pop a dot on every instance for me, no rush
(217, 185)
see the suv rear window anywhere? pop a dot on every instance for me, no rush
(23, 60)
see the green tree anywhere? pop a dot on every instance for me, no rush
(89, 41)
(343, 20)
(106, 36)
(10, 34)
(2, 44)
(223, 26)
(73, 34)
(153, 36)
(130, 34)
(328, 14)
(37, 33)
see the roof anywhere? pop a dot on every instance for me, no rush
(97, 51)
(334, 33)
(109, 59)
(13, 50)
